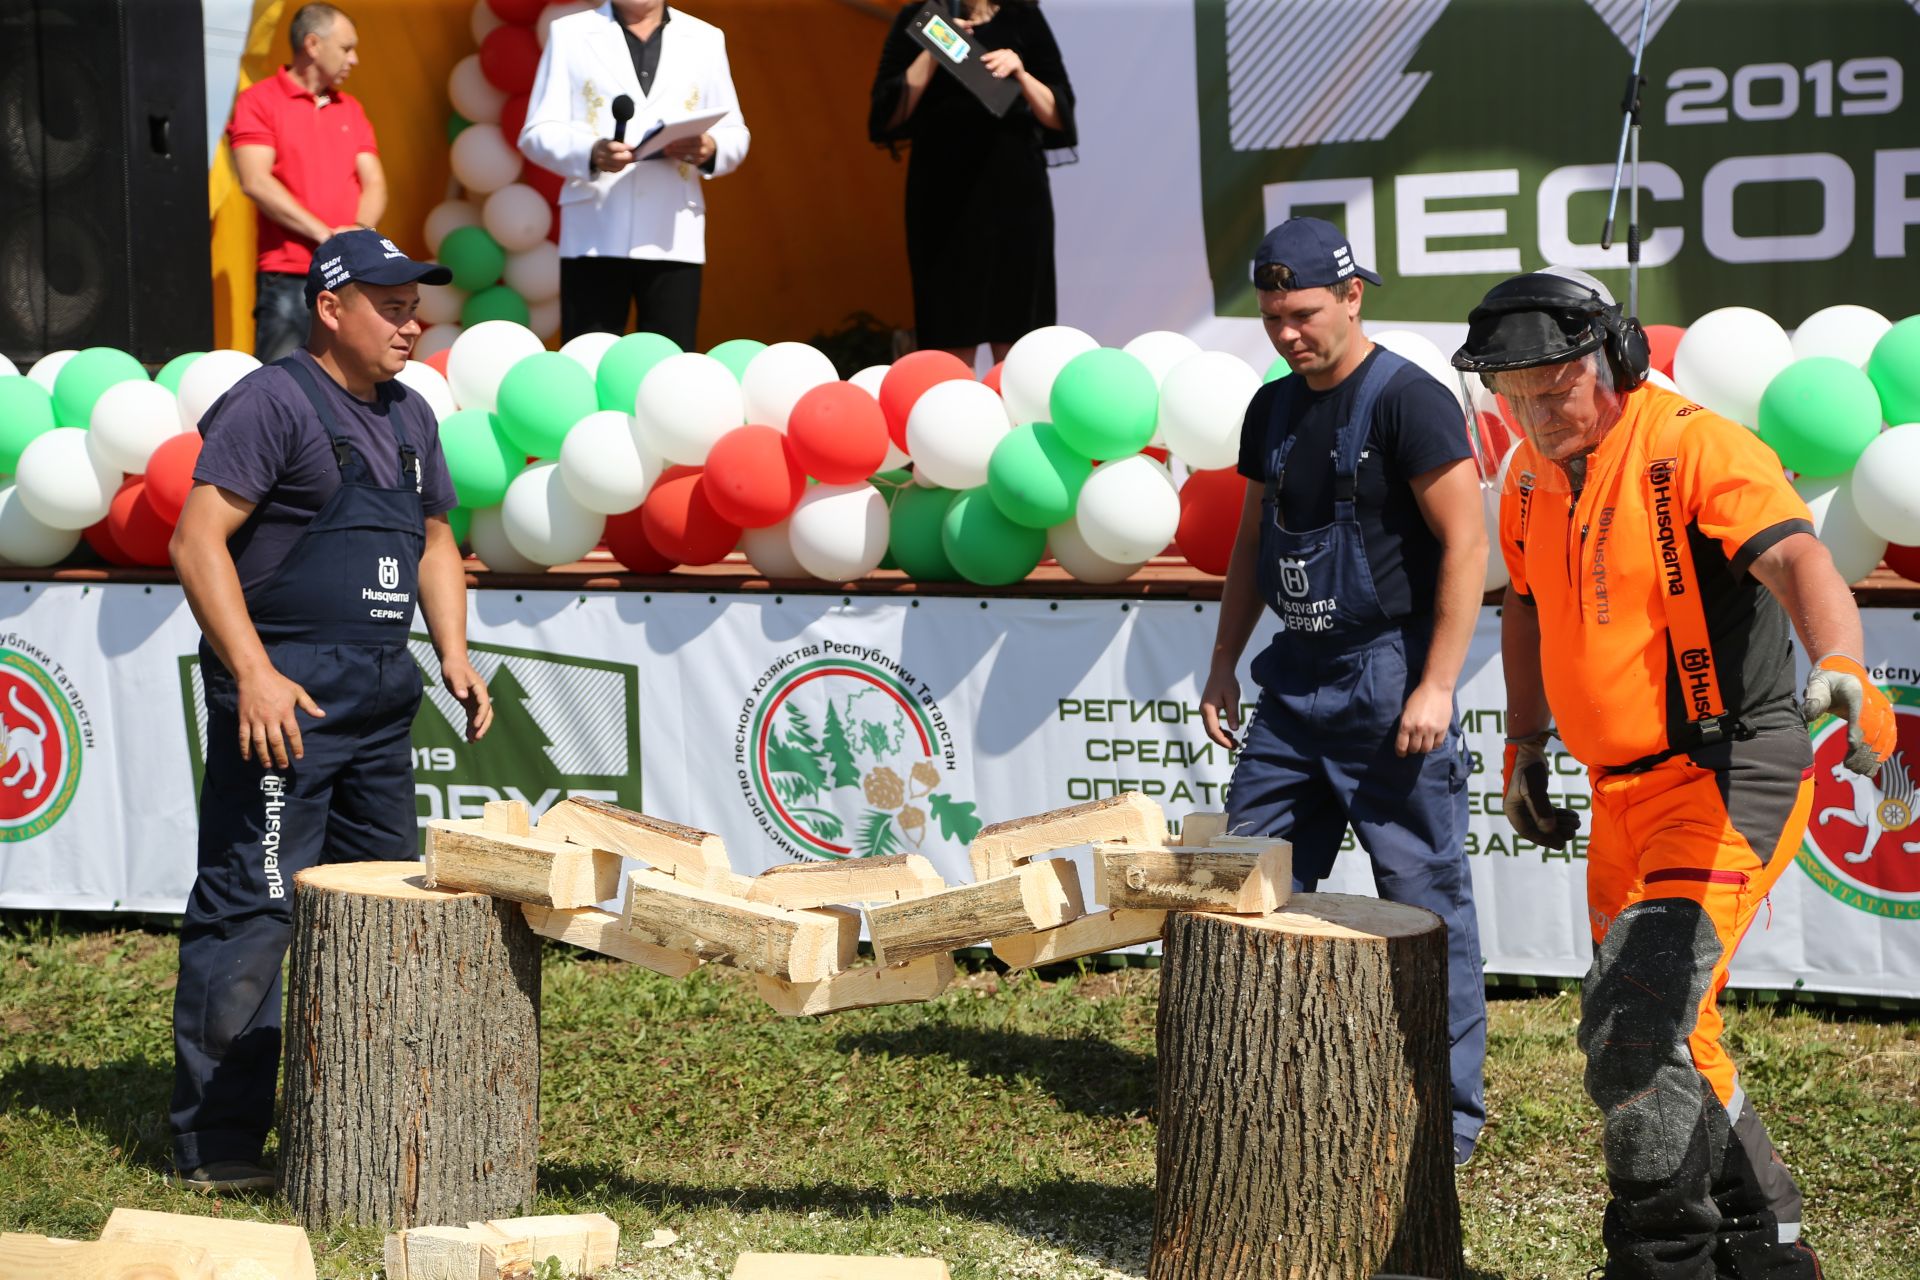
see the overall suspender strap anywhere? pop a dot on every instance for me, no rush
(1358, 429)
(1679, 594)
(342, 451)
(1278, 421)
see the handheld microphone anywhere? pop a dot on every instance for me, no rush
(622, 112)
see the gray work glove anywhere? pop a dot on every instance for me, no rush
(1528, 809)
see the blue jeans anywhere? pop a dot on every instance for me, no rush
(280, 314)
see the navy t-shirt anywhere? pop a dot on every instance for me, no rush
(263, 442)
(1417, 426)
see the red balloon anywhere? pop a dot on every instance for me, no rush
(170, 474)
(681, 523)
(838, 433)
(545, 181)
(100, 538)
(1661, 341)
(909, 379)
(1905, 561)
(752, 478)
(626, 538)
(438, 360)
(1210, 504)
(512, 116)
(522, 12)
(992, 377)
(509, 57)
(137, 527)
(1496, 437)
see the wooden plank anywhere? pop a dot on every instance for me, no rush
(820, 1266)
(583, 1242)
(908, 983)
(897, 878)
(685, 853)
(33, 1257)
(1236, 881)
(602, 931)
(233, 1248)
(457, 1253)
(1128, 817)
(1088, 936)
(1038, 895)
(1198, 830)
(547, 873)
(508, 817)
(798, 946)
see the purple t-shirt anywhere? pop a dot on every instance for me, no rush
(264, 443)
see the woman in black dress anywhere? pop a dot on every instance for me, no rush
(979, 211)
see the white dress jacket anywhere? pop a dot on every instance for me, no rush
(654, 208)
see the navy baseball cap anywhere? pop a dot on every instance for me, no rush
(1306, 253)
(366, 257)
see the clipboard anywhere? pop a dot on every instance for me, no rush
(958, 53)
(654, 141)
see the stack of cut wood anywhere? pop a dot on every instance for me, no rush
(797, 927)
(140, 1245)
(504, 1249)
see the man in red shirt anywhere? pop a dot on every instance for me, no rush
(306, 157)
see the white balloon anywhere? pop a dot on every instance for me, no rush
(1066, 545)
(1026, 377)
(1845, 332)
(777, 378)
(517, 216)
(544, 318)
(448, 217)
(8, 368)
(838, 532)
(542, 520)
(604, 465)
(1128, 510)
(768, 550)
(1726, 358)
(481, 357)
(130, 420)
(686, 403)
(1202, 404)
(560, 10)
(24, 541)
(1659, 379)
(487, 535)
(47, 367)
(61, 482)
(1421, 351)
(207, 379)
(869, 380)
(534, 273)
(425, 380)
(483, 20)
(473, 95)
(588, 348)
(483, 160)
(1885, 488)
(1838, 523)
(441, 304)
(1160, 351)
(436, 338)
(952, 431)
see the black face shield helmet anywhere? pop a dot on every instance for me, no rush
(1547, 318)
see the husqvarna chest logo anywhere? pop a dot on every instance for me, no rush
(389, 573)
(1293, 578)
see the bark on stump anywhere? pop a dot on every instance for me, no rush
(1305, 1128)
(412, 1091)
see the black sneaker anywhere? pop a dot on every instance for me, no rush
(226, 1175)
(1463, 1150)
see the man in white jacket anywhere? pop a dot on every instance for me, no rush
(632, 231)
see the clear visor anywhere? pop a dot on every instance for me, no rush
(1564, 410)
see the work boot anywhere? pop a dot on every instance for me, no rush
(226, 1175)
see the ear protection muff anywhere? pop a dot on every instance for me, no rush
(1628, 352)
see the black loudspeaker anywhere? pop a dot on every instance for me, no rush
(104, 236)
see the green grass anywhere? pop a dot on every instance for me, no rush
(1006, 1127)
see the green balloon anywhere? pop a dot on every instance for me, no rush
(495, 303)
(1894, 368)
(461, 521)
(1105, 404)
(914, 540)
(479, 457)
(1277, 370)
(1819, 414)
(985, 547)
(737, 354)
(626, 363)
(1034, 477)
(456, 125)
(82, 379)
(173, 370)
(475, 258)
(26, 411)
(541, 398)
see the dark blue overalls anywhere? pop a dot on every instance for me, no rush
(1319, 750)
(334, 620)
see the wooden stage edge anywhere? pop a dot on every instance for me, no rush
(1161, 579)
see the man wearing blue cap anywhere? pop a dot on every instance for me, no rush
(1363, 531)
(316, 524)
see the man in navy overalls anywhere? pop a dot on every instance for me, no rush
(1363, 530)
(316, 524)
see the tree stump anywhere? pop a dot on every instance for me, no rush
(412, 1051)
(1305, 1128)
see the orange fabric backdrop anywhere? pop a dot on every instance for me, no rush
(807, 232)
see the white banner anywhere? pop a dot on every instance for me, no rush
(815, 726)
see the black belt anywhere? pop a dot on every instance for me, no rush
(1695, 735)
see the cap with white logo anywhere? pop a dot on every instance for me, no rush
(366, 257)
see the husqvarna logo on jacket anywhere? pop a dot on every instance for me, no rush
(1293, 578)
(389, 573)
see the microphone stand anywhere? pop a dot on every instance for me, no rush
(1630, 142)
